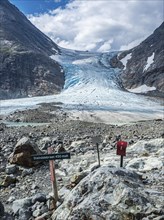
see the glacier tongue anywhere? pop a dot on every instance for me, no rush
(88, 77)
(91, 85)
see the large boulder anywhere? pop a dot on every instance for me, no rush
(23, 151)
(144, 164)
(150, 146)
(148, 155)
(110, 193)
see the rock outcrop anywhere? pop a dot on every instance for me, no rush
(26, 67)
(148, 156)
(110, 193)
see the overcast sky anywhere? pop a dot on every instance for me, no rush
(95, 25)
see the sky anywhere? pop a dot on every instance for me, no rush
(94, 25)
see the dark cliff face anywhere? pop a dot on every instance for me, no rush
(145, 64)
(26, 68)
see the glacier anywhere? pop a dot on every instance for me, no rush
(92, 91)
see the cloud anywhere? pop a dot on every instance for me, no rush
(101, 25)
(132, 44)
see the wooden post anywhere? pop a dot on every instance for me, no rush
(53, 178)
(98, 153)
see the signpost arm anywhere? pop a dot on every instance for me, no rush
(98, 153)
(53, 179)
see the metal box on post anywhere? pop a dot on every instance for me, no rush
(121, 148)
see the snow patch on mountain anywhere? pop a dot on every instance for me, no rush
(142, 89)
(150, 60)
(55, 49)
(125, 59)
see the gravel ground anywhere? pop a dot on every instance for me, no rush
(58, 126)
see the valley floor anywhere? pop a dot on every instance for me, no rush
(76, 137)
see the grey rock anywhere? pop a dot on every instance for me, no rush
(9, 180)
(33, 191)
(39, 197)
(44, 209)
(36, 213)
(7, 216)
(45, 143)
(35, 206)
(21, 204)
(11, 199)
(24, 214)
(11, 169)
(34, 186)
(78, 146)
(108, 193)
(26, 172)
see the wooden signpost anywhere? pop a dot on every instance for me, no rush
(51, 157)
(53, 179)
(97, 140)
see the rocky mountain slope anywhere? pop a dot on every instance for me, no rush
(26, 68)
(144, 64)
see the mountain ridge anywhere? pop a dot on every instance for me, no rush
(26, 68)
(146, 64)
